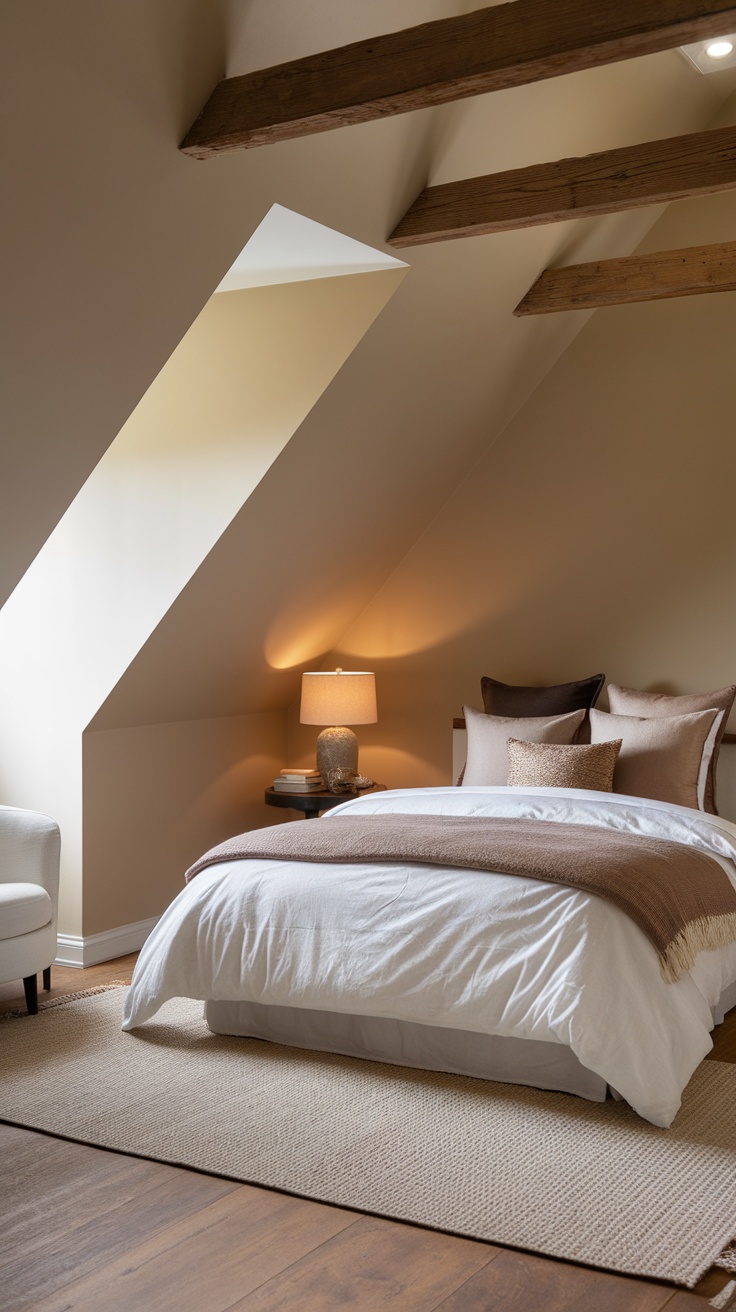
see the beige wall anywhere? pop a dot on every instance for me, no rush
(596, 534)
(158, 796)
(104, 218)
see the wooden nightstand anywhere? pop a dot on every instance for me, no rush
(310, 804)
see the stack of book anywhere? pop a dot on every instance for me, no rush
(299, 781)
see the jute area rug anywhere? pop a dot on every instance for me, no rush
(588, 1182)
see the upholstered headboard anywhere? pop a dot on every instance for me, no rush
(725, 782)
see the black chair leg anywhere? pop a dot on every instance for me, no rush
(30, 984)
(47, 978)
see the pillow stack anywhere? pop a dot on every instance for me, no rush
(648, 745)
(555, 714)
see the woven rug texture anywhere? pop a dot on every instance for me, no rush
(547, 1172)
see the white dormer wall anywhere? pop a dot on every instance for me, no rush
(194, 450)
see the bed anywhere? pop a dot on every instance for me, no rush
(484, 973)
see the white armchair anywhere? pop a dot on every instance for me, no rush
(29, 898)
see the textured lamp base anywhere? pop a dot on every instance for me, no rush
(337, 749)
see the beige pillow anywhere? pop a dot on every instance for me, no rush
(627, 701)
(665, 758)
(551, 765)
(488, 758)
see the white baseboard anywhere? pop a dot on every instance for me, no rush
(72, 950)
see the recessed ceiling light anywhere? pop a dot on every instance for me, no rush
(719, 49)
(712, 55)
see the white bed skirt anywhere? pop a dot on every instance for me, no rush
(726, 1001)
(405, 1043)
(425, 1047)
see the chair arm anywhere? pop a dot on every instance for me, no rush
(29, 850)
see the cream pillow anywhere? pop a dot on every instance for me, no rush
(650, 705)
(488, 735)
(666, 758)
(551, 765)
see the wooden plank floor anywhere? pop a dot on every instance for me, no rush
(83, 1230)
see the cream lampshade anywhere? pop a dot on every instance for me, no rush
(338, 698)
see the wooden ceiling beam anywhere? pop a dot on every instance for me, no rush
(490, 49)
(691, 271)
(612, 180)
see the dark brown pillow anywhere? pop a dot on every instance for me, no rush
(559, 699)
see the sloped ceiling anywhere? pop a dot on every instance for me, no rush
(596, 535)
(431, 386)
(114, 241)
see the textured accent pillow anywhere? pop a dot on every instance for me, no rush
(557, 699)
(552, 765)
(665, 757)
(488, 735)
(627, 701)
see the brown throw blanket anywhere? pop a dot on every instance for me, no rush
(681, 898)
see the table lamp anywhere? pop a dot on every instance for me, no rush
(337, 698)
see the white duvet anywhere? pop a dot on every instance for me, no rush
(470, 950)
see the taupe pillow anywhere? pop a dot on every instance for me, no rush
(488, 759)
(556, 699)
(665, 758)
(551, 765)
(627, 701)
